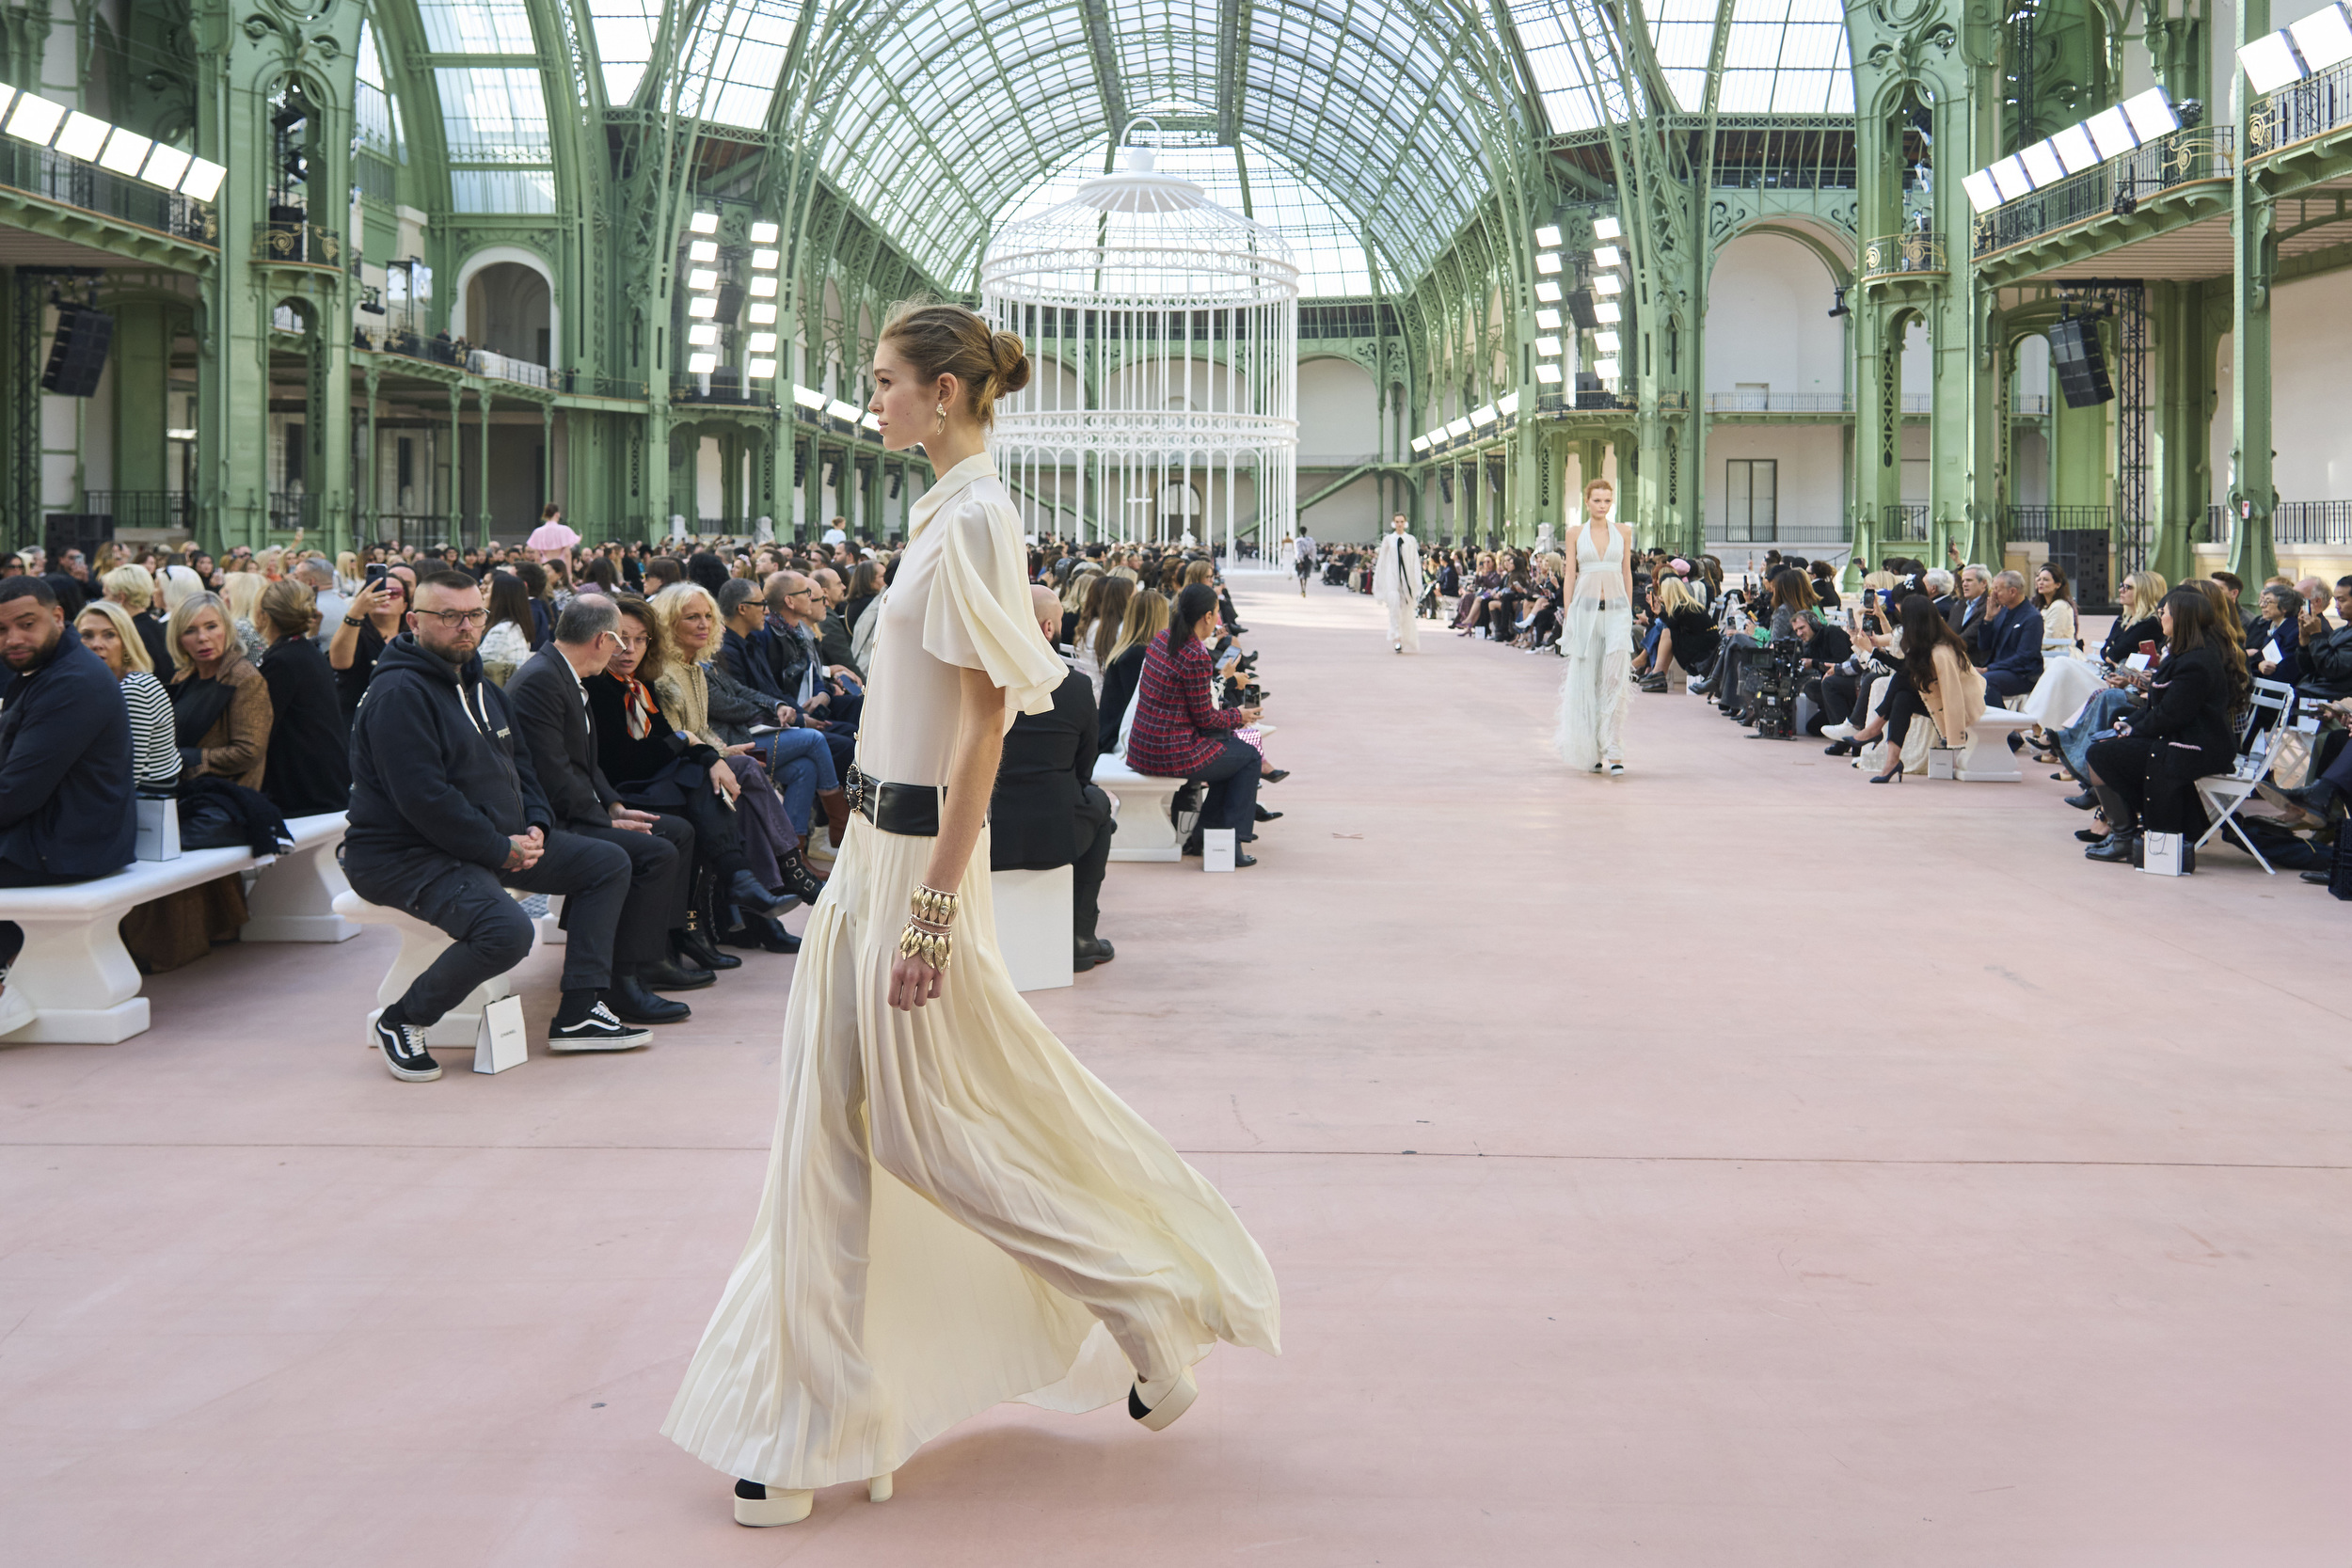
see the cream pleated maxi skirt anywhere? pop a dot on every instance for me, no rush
(957, 1214)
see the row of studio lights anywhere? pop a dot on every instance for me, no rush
(1608, 284)
(702, 299)
(30, 118)
(2105, 135)
(2305, 48)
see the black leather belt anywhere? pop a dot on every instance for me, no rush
(911, 811)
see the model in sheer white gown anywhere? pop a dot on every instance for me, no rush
(955, 1212)
(1597, 638)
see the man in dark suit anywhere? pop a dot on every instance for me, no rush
(1966, 616)
(1048, 810)
(66, 784)
(2011, 639)
(551, 714)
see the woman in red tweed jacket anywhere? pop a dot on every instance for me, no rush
(1180, 732)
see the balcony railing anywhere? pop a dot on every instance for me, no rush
(2035, 522)
(286, 243)
(2294, 523)
(426, 530)
(2308, 108)
(720, 386)
(1906, 523)
(2178, 158)
(1801, 402)
(54, 177)
(1914, 250)
(498, 367)
(159, 508)
(1561, 403)
(292, 509)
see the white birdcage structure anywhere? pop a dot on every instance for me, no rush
(1162, 331)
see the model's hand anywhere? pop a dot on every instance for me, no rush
(912, 982)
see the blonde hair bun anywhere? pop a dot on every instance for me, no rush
(1013, 362)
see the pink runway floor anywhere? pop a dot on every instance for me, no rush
(1730, 1165)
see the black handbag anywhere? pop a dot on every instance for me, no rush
(216, 813)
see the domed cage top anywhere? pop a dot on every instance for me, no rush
(1164, 333)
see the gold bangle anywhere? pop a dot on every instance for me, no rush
(932, 948)
(928, 903)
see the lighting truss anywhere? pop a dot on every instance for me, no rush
(30, 118)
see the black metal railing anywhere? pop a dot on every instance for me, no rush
(293, 509)
(1906, 523)
(416, 345)
(289, 242)
(1781, 532)
(720, 386)
(2294, 523)
(2312, 107)
(2177, 158)
(424, 529)
(153, 509)
(580, 384)
(2035, 522)
(1802, 402)
(1561, 403)
(54, 177)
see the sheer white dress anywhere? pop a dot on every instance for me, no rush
(1597, 638)
(956, 1212)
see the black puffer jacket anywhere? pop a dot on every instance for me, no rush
(435, 765)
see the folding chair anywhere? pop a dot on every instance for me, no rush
(2224, 793)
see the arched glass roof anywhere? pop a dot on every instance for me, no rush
(1357, 123)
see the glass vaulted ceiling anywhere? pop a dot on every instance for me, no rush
(1360, 124)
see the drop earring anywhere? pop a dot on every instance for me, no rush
(939, 424)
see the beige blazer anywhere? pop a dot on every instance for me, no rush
(1957, 699)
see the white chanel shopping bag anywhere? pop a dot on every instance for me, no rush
(159, 828)
(1217, 849)
(500, 1044)
(2163, 854)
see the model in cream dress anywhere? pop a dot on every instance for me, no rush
(1597, 640)
(955, 1212)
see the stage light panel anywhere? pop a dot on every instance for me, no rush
(704, 223)
(1547, 375)
(1606, 312)
(1548, 320)
(2074, 151)
(1548, 347)
(763, 288)
(82, 135)
(202, 180)
(807, 397)
(2041, 164)
(1547, 235)
(1605, 369)
(35, 118)
(126, 153)
(702, 278)
(763, 233)
(1606, 229)
(1547, 291)
(762, 370)
(1605, 342)
(1548, 262)
(1984, 196)
(2151, 112)
(2110, 132)
(701, 364)
(765, 260)
(761, 315)
(166, 166)
(703, 250)
(1608, 256)
(1608, 283)
(703, 335)
(704, 307)
(762, 342)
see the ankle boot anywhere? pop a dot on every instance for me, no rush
(798, 878)
(836, 804)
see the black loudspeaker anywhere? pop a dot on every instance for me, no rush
(2082, 370)
(77, 354)
(2082, 553)
(74, 530)
(730, 303)
(1581, 310)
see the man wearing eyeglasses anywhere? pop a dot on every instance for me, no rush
(447, 813)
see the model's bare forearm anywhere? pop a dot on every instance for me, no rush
(971, 779)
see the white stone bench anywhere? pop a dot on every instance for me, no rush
(80, 979)
(1035, 925)
(1984, 756)
(1146, 814)
(420, 944)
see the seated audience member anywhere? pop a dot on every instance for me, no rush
(829, 694)
(446, 814)
(510, 639)
(1146, 618)
(807, 759)
(2325, 651)
(2010, 639)
(657, 768)
(1824, 584)
(2054, 597)
(106, 631)
(533, 578)
(1687, 634)
(310, 739)
(66, 779)
(1099, 621)
(242, 591)
(865, 587)
(689, 621)
(2145, 776)
(220, 705)
(133, 589)
(1048, 810)
(1968, 611)
(833, 636)
(374, 619)
(2272, 641)
(659, 943)
(326, 595)
(1934, 678)
(1938, 585)
(1180, 733)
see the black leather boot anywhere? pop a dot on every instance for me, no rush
(631, 1003)
(672, 975)
(798, 878)
(743, 890)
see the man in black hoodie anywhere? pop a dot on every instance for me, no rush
(446, 814)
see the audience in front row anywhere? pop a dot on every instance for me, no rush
(107, 631)
(446, 814)
(1180, 732)
(1047, 811)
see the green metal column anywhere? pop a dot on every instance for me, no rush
(2254, 255)
(2182, 433)
(482, 482)
(369, 503)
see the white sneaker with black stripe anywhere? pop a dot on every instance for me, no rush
(598, 1031)
(404, 1054)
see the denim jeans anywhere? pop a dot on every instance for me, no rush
(800, 762)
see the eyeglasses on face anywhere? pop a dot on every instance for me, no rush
(458, 617)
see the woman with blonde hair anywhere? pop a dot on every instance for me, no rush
(1596, 638)
(348, 576)
(242, 592)
(105, 630)
(1146, 617)
(955, 1212)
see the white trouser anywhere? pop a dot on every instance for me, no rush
(1404, 626)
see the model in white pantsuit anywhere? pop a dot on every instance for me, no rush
(1396, 582)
